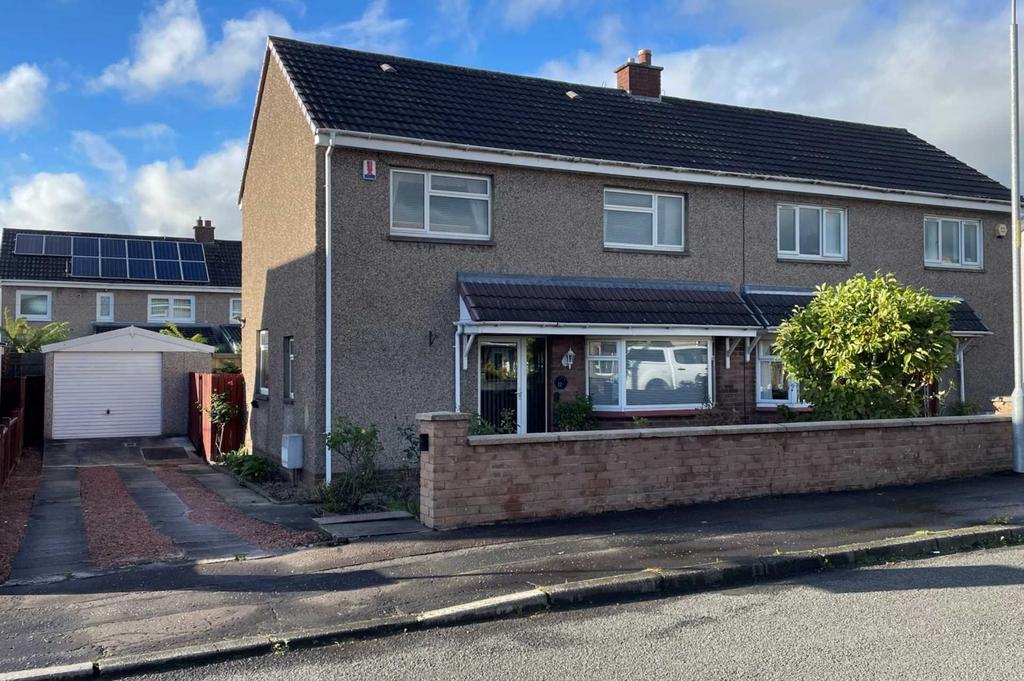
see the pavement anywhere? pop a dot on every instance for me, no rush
(55, 546)
(955, 617)
(147, 611)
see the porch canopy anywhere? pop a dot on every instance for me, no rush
(535, 305)
(772, 305)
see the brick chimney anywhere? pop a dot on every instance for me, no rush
(204, 230)
(640, 77)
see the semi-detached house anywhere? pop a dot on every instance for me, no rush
(426, 237)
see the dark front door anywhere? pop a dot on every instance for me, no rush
(536, 385)
(499, 385)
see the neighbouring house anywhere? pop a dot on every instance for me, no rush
(424, 237)
(102, 282)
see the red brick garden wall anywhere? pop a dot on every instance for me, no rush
(486, 479)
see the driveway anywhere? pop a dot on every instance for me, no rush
(108, 503)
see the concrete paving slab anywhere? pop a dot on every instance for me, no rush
(293, 516)
(374, 528)
(54, 542)
(169, 514)
(335, 519)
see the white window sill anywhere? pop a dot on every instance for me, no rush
(953, 268)
(814, 259)
(35, 318)
(674, 250)
(447, 236)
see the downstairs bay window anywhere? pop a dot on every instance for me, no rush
(635, 374)
(773, 386)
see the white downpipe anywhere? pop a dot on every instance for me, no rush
(1018, 342)
(458, 368)
(328, 307)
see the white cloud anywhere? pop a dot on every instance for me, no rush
(22, 94)
(521, 13)
(172, 50)
(375, 30)
(938, 70)
(100, 153)
(169, 195)
(60, 201)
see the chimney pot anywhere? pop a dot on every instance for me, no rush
(640, 77)
(204, 231)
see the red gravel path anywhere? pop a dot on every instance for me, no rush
(117, 529)
(16, 507)
(208, 508)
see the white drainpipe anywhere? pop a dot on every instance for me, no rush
(328, 306)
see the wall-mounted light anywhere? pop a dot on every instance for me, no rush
(568, 358)
(1001, 230)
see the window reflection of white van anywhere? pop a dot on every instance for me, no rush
(665, 368)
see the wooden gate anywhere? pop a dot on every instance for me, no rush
(201, 430)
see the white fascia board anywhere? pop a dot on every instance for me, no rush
(128, 339)
(120, 286)
(529, 159)
(618, 330)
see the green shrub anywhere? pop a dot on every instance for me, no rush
(867, 348)
(228, 368)
(577, 414)
(360, 448)
(247, 466)
(221, 411)
(25, 338)
(967, 408)
(480, 426)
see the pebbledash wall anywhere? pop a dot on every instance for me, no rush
(474, 480)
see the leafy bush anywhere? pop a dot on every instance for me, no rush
(967, 408)
(577, 414)
(867, 348)
(24, 338)
(480, 426)
(247, 466)
(360, 448)
(173, 331)
(221, 411)
(228, 368)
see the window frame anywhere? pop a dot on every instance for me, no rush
(938, 264)
(652, 211)
(170, 309)
(21, 293)
(289, 368)
(620, 356)
(262, 362)
(793, 398)
(234, 318)
(100, 317)
(426, 232)
(820, 256)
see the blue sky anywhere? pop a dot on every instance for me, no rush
(131, 116)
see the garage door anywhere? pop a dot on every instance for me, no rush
(106, 394)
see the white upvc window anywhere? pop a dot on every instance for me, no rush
(638, 374)
(952, 242)
(105, 306)
(172, 309)
(263, 362)
(34, 306)
(773, 386)
(442, 205)
(811, 232)
(289, 367)
(235, 311)
(643, 220)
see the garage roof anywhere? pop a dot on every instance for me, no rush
(128, 339)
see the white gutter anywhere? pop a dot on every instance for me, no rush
(112, 286)
(575, 328)
(530, 159)
(328, 307)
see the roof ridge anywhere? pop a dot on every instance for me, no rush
(111, 235)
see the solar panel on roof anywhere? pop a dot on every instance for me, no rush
(112, 248)
(28, 244)
(113, 268)
(139, 268)
(165, 250)
(194, 271)
(57, 245)
(85, 267)
(193, 252)
(168, 270)
(140, 249)
(88, 246)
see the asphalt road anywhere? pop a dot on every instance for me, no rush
(957, 617)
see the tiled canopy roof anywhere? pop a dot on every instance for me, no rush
(347, 90)
(223, 260)
(772, 307)
(516, 298)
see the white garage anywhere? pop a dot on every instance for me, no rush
(128, 382)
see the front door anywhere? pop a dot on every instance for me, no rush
(513, 377)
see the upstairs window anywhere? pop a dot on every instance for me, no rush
(34, 306)
(952, 242)
(104, 307)
(811, 232)
(440, 205)
(172, 309)
(235, 311)
(643, 220)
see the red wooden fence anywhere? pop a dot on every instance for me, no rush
(12, 431)
(201, 430)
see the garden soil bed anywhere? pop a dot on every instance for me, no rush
(117, 530)
(207, 508)
(16, 507)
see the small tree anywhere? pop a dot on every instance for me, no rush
(221, 411)
(867, 348)
(23, 337)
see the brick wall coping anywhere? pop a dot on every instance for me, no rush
(442, 416)
(690, 431)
